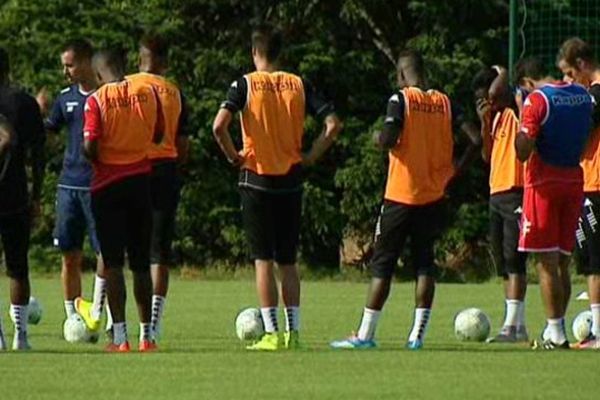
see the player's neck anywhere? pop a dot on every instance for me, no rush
(87, 86)
(595, 76)
(263, 65)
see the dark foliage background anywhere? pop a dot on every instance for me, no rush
(345, 47)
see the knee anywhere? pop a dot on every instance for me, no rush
(19, 273)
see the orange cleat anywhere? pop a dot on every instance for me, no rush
(147, 345)
(118, 348)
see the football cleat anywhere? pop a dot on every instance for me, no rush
(84, 308)
(147, 346)
(414, 344)
(269, 342)
(589, 343)
(353, 342)
(20, 342)
(2, 340)
(118, 348)
(550, 345)
(508, 334)
(291, 340)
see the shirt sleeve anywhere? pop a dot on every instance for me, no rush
(595, 92)
(394, 121)
(316, 105)
(236, 96)
(92, 126)
(56, 119)
(534, 113)
(182, 124)
(31, 123)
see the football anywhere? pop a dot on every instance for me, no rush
(582, 325)
(249, 324)
(34, 311)
(471, 324)
(74, 329)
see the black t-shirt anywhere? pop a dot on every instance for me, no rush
(316, 105)
(23, 114)
(394, 118)
(595, 92)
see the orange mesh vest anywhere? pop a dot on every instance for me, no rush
(421, 162)
(273, 122)
(170, 101)
(590, 162)
(128, 121)
(506, 171)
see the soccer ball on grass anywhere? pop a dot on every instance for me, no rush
(34, 311)
(75, 330)
(249, 324)
(582, 325)
(471, 324)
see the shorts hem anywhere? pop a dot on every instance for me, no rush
(539, 250)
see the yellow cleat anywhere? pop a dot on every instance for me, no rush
(292, 340)
(84, 309)
(269, 342)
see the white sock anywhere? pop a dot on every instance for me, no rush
(158, 306)
(119, 333)
(70, 308)
(521, 314)
(556, 330)
(145, 331)
(269, 316)
(19, 316)
(292, 319)
(595, 319)
(368, 324)
(419, 324)
(99, 297)
(109, 320)
(511, 317)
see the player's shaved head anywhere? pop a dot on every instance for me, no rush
(267, 41)
(4, 65)
(81, 48)
(410, 68)
(154, 53)
(483, 79)
(110, 63)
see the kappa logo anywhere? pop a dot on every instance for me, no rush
(518, 210)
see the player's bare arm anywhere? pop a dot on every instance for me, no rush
(223, 137)
(331, 129)
(5, 135)
(484, 112)
(469, 129)
(524, 146)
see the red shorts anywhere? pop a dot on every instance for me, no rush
(550, 217)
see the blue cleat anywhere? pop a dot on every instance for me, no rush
(353, 342)
(414, 344)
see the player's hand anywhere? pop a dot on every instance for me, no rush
(483, 109)
(42, 100)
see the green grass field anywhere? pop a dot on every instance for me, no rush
(200, 357)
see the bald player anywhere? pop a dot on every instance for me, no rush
(418, 137)
(122, 120)
(167, 159)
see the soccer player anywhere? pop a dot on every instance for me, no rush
(418, 135)
(21, 138)
(167, 158)
(273, 105)
(555, 125)
(122, 118)
(577, 62)
(73, 199)
(498, 112)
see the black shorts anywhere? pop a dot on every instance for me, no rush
(505, 219)
(123, 215)
(272, 224)
(587, 255)
(15, 231)
(422, 224)
(165, 188)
